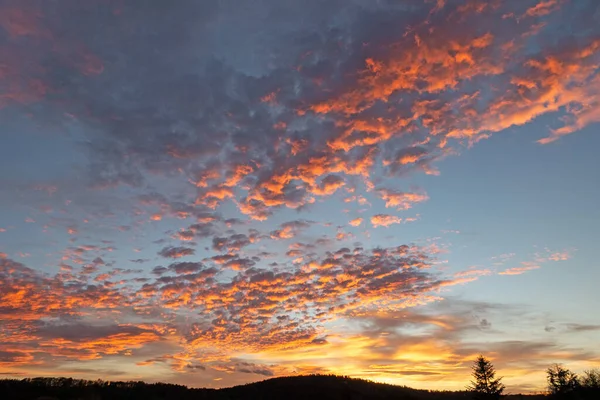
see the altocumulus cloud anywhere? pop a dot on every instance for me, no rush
(205, 133)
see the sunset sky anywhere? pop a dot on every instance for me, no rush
(212, 193)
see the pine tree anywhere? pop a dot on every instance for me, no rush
(485, 385)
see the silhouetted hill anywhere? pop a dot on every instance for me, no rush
(330, 387)
(312, 387)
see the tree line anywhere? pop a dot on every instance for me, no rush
(314, 387)
(485, 385)
(561, 382)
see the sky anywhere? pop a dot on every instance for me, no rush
(212, 193)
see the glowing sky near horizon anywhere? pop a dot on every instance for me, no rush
(215, 192)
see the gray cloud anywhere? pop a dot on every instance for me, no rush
(176, 252)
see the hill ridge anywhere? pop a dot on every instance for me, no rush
(314, 387)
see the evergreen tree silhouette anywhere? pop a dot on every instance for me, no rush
(485, 384)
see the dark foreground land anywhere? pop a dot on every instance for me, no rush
(314, 387)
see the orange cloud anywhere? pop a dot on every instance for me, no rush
(289, 230)
(416, 69)
(239, 172)
(201, 178)
(527, 266)
(544, 7)
(401, 200)
(473, 273)
(270, 97)
(212, 197)
(552, 83)
(329, 185)
(384, 220)
(156, 217)
(119, 343)
(356, 222)
(560, 256)
(285, 233)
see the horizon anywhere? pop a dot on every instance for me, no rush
(92, 381)
(216, 192)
